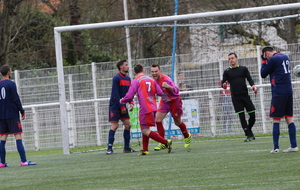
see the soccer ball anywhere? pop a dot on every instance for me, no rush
(296, 70)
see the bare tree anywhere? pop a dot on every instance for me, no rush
(8, 28)
(255, 33)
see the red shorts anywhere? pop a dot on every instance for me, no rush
(10, 126)
(174, 106)
(147, 120)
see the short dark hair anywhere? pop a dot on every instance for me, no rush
(120, 63)
(267, 49)
(232, 54)
(155, 65)
(4, 70)
(138, 68)
(180, 72)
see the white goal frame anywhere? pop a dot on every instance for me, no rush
(58, 46)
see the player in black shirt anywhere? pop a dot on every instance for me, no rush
(236, 76)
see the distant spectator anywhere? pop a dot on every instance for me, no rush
(227, 109)
(184, 87)
(180, 78)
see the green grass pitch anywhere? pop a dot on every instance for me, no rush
(224, 164)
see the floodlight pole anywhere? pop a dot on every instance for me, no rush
(62, 93)
(173, 61)
(128, 40)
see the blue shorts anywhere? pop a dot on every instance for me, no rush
(10, 126)
(281, 107)
(115, 115)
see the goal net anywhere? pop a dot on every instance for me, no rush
(68, 106)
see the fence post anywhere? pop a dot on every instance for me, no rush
(212, 114)
(35, 129)
(221, 69)
(96, 104)
(261, 91)
(71, 115)
(17, 81)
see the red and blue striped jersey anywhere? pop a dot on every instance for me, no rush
(120, 86)
(10, 104)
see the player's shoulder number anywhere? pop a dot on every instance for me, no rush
(286, 66)
(2, 93)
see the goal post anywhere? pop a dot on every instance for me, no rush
(59, 57)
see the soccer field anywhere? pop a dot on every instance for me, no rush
(224, 164)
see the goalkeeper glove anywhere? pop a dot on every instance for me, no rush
(131, 105)
(263, 59)
(224, 85)
(254, 89)
(23, 115)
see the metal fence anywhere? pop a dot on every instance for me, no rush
(88, 89)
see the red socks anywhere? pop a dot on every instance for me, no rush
(184, 130)
(160, 129)
(145, 141)
(155, 136)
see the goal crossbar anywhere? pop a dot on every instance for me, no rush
(177, 17)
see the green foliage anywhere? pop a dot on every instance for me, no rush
(71, 56)
(212, 165)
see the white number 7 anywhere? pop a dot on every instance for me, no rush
(149, 86)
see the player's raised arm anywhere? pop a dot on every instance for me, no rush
(159, 91)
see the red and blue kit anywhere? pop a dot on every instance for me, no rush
(278, 67)
(120, 86)
(10, 108)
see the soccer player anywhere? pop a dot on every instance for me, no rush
(146, 89)
(170, 102)
(117, 111)
(236, 75)
(277, 65)
(10, 109)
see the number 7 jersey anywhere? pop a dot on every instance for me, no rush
(146, 89)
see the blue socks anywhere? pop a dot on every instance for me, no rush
(292, 134)
(276, 133)
(111, 138)
(126, 135)
(21, 150)
(2, 151)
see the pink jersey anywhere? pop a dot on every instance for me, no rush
(169, 94)
(146, 89)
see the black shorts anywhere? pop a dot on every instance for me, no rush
(10, 126)
(115, 115)
(241, 102)
(281, 107)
